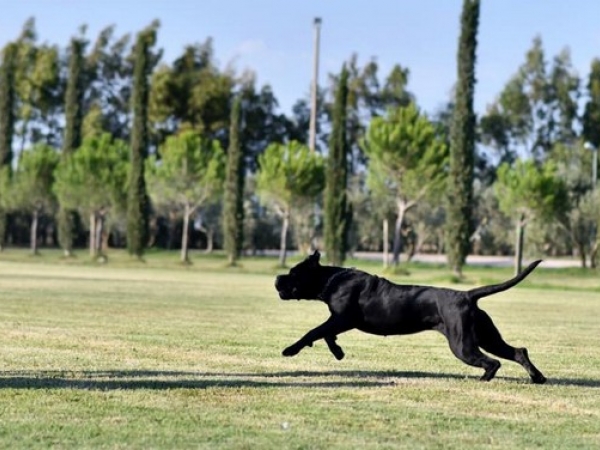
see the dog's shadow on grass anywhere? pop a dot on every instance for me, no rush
(162, 380)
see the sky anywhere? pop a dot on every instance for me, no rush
(275, 37)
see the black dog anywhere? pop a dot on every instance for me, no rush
(375, 305)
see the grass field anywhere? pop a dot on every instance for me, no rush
(156, 355)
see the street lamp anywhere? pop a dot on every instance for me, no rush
(594, 149)
(312, 128)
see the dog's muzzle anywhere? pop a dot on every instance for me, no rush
(285, 292)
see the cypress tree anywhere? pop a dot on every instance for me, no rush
(591, 115)
(337, 212)
(233, 207)
(459, 220)
(138, 203)
(73, 130)
(7, 120)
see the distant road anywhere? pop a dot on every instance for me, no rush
(472, 260)
(476, 260)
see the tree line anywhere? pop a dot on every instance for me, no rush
(103, 143)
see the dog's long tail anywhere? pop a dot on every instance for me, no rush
(484, 291)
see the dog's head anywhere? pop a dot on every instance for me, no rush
(304, 280)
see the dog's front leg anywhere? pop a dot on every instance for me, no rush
(335, 349)
(327, 330)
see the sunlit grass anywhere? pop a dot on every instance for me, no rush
(157, 355)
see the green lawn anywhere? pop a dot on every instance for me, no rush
(156, 355)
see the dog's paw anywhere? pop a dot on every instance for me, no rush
(338, 353)
(291, 351)
(539, 379)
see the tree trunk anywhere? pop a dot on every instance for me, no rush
(283, 243)
(594, 255)
(171, 227)
(386, 243)
(210, 240)
(93, 234)
(398, 235)
(105, 238)
(99, 233)
(34, 229)
(582, 255)
(519, 244)
(184, 235)
(210, 237)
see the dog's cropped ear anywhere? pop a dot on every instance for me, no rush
(315, 257)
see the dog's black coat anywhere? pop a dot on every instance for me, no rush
(375, 305)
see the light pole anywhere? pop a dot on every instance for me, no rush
(312, 138)
(594, 149)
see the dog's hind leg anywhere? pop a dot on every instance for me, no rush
(335, 349)
(327, 330)
(491, 341)
(464, 346)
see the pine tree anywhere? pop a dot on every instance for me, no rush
(73, 131)
(337, 210)
(7, 120)
(138, 202)
(233, 207)
(459, 221)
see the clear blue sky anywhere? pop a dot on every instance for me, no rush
(274, 37)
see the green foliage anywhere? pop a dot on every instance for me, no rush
(108, 77)
(5, 185)
(43, 85)
(38, 86)
(93, 122)
(289, 173)
(591, 115)
(506, 124)
(31, 186)
(73, 129)
(7, 102)
(563, 99)
(536, 109)
(94, 177)
(263, 125)
(233, 200)
(138, 205)
(191, 94)
(337, 209)
(189, 173)
(459, 224)
(7, 120)
(407, 163)
(369, 96)
(189, 176)
(74, 96)
(290, 176)
(529, 190)
(407, 160)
